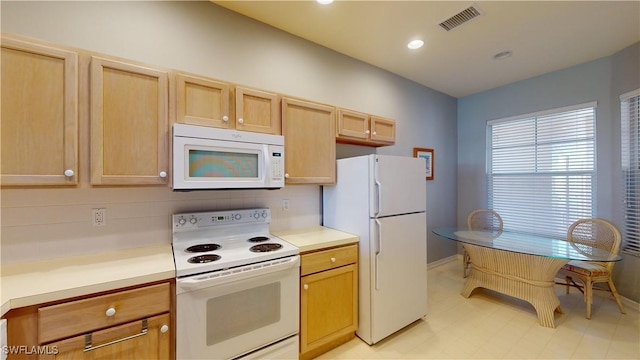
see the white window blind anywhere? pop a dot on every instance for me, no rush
(630, 116)
(542, 169)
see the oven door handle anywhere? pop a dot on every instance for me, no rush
(239, 273)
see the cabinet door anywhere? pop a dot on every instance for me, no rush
(129, 127)
(203, 102)
(310, 142)
(257, 111)
(128, 341)
(383, 130)
(39, 114)
(353, 125)
(328, 306)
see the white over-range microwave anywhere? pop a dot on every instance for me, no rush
(207, 158)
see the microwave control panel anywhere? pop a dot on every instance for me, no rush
(277, 165)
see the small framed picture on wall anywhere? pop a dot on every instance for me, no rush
(427, 155)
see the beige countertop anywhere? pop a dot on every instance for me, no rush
(26, 284)
(33, 283)
(316, 238)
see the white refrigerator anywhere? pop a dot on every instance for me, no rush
(382, 199)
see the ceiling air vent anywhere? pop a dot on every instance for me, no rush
(460, 18)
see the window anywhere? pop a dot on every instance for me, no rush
(630, 116)
(541, 169)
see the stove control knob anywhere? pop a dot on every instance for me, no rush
(193, 220)
(264, 213)
(110, 312)
(237, 216)
(256, 215)
(182, 221)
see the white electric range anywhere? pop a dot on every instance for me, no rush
(237, 287)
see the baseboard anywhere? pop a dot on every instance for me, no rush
(437, 263)
(628, 303)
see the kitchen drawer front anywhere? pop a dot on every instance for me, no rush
(328, 259)
(82, 316)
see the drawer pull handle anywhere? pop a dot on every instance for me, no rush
(164, 329)
(333, 259)
(89, 347)
(110, 311)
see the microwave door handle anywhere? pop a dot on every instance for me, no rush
(267, 165)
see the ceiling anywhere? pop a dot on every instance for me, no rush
(543, 36)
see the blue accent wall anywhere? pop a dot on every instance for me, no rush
(602, 80)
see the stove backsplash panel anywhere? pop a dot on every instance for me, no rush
(39, 224)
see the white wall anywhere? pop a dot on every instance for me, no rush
(202, 38)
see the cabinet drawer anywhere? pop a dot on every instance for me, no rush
(328, 259)
(82, 316)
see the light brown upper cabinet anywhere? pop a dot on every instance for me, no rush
(129, 124)
(310, 142)
(363, 129)
(383, 131)
(202, 101)
(257, 111)
(39, 114)
(353, 125)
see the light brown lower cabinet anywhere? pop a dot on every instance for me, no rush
(328, 299)
(143, 339)
(131, 323)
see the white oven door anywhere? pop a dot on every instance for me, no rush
(233, 312)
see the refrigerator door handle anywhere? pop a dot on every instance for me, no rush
(378, 249)
(379, 196)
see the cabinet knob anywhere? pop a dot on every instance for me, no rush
(68, 173)
(163, 174)
(225, 118)
(367, 131)
(240, 121)
(333, 259)
(164, 329)
(374, 133)
(110, 311)
(286, 176)
(305, 286)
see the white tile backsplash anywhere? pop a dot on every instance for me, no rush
(38, 224)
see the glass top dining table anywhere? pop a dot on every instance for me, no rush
(520, 265)
(528, 244)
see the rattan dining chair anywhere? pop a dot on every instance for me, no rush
(481, 219)
(594, 233)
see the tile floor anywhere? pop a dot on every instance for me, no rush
(489, 325)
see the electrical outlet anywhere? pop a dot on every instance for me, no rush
(99, 217)
(285, 205)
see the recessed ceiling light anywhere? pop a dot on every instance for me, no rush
(415, 44)
(503, 55)
(324, 2)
